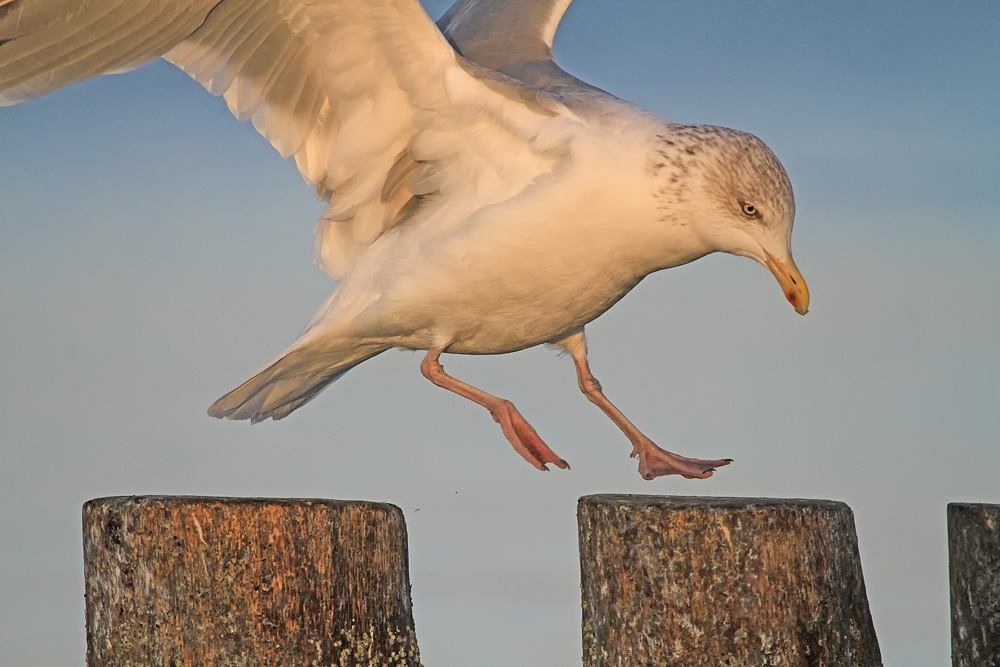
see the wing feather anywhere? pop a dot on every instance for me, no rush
(48, 44)
(514, 37)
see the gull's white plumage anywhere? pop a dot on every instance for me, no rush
(481, 200)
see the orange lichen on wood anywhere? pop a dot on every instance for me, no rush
(188, 582)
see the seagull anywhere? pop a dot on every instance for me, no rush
(481, 199)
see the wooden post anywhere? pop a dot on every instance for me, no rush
(703, 582)
(190, 582)
(974, 560)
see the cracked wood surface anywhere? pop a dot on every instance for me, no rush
(722, 582)
(188, 582)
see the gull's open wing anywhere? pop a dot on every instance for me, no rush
(370, 99)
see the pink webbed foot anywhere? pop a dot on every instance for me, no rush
(517, 429)
(523, 437)
(655, 462)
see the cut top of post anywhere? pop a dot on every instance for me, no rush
(708, 502)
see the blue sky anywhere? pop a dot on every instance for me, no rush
(154, 252)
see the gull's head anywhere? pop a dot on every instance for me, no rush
(739, 200)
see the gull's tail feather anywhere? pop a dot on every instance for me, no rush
(291, 381)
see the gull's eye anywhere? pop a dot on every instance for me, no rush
(750, 210)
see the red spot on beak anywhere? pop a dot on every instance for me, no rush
(791, 282)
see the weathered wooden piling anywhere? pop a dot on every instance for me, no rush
(189, 582)
(974, 566)
(722, 582)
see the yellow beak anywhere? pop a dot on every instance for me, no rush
(791, 282)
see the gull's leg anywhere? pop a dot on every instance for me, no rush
(653, 461)
(515, 427)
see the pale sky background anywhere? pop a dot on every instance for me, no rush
(154, 253)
